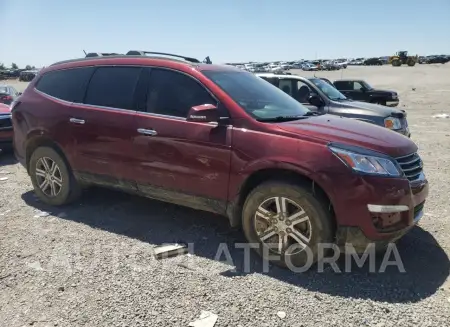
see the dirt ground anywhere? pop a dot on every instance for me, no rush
(90, 264)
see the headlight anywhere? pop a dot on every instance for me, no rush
(367, 164)
(392, 123)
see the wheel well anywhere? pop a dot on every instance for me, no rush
(37, 142)
(265, 175)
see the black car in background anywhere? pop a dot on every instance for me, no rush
(320, 96)
(373, 62)
(360, 90)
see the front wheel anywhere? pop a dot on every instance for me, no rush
(288, 223)
(52, 178)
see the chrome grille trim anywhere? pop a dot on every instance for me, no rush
(411, 166)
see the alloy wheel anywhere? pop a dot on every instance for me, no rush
(283, 225)
(48, 177)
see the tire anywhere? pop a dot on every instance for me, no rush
(381, 102)
(319, 226)
(68, 190)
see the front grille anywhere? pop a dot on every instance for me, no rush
(411, 165)
(5, 122)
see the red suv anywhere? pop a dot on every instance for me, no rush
(219, 139)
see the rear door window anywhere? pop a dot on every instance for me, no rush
(68, 84)
(113, 87)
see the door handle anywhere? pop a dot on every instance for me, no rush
(149, 132)
(77, 121)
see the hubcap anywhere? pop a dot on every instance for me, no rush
(48, 177)
(283, 225)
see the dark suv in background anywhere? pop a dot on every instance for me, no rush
(220, 139)
(320, 95)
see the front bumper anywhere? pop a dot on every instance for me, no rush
(6, 137)
(395, 206)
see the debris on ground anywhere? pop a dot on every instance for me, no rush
(3, 178)
(281, 314)
(207, 319)
(441, 116)
(169, 250)
(5, 212)
(41, 214)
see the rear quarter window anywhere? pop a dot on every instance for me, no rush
(68, 84)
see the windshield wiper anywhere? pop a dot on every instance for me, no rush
(281, 118)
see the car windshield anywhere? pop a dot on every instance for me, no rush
(330, 91)
(256, 96)
(366, 85)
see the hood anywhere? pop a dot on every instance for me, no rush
(331, 128)
(4, 109)
(375, 109)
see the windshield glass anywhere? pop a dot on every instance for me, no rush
(366, 85)
(256, 96)
(330, 91)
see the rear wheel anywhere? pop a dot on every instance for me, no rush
(287, 222)
(52, 178)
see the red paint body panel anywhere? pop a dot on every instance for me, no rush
(215, 161)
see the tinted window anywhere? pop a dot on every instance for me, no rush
(173, 93)
(67, 84)
(343, 85)
(113, 87)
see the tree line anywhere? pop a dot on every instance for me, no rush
(14, 67)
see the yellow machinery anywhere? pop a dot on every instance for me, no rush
(402, 58)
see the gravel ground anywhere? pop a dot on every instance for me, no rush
(91, 264)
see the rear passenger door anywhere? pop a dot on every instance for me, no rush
(180, 161)
(103, 127)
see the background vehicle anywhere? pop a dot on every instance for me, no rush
(27, 75)
(8, 94)
(373, 62)
(6, 130)
(321, 96)
(402, 58)
(360, 90)
(307, 66)
(162, 127)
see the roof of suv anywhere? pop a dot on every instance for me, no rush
(137, 60)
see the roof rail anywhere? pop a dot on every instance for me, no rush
(98, 54)
(143, 53)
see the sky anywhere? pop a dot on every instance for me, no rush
(41, 32)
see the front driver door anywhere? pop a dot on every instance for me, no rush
(180, 161)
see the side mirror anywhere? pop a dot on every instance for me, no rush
(362, 89)
(315, 101)
(19, 93)
(205, 113)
